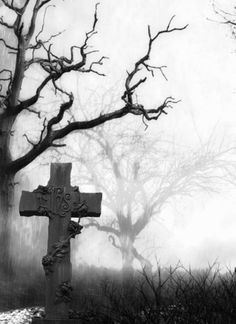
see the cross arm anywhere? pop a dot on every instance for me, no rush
(29, 205)
(91, 203)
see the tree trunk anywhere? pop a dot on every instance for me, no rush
(126, 244)
(6, 202)
(6, 195)
(127, 252)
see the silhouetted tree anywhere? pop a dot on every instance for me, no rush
(32, 50)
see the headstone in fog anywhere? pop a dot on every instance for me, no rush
(60, 202)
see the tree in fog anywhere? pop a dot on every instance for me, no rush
(139, 175)
(226, 12)
(33, 52)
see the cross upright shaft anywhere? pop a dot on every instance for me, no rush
(59, 201)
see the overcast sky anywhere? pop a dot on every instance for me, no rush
(201, 71)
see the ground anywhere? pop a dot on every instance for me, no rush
(20, 316)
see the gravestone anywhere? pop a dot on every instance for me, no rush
(60, 202)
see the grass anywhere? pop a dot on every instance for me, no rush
(174, 295)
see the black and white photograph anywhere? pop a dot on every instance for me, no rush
(117, 161)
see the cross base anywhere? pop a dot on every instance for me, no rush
(56, 321)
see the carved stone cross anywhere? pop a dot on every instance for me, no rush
(59, 201)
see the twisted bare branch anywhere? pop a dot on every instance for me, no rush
(5, 24)
(102, 228)
(57, 66)
(127, 96)
(113, 242)
(7, 45)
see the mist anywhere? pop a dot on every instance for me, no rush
(193, 225)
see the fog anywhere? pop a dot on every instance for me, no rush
(200, 69)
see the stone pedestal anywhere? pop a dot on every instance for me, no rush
(55, 321)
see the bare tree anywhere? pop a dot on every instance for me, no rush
(227, 14)
(30, 49)
(140, 175)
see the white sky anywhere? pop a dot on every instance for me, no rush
(201, 72)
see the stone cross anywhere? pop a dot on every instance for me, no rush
(59, 201)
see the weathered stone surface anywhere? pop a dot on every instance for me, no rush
(59, 201)
(93, 201)
(29, 204)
